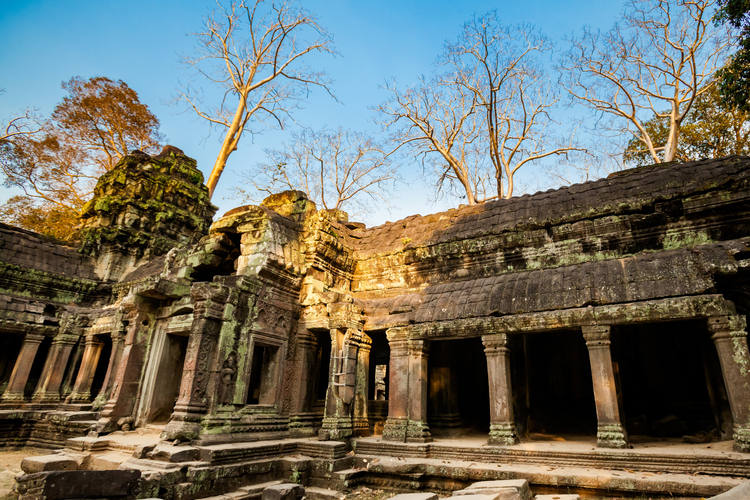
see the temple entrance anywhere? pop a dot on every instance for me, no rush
(551, 379)
(377, 386)
(102, 365)
(163, 378)
(10, 348)
(671, 382)
(458, 397)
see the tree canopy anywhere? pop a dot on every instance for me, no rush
(56, 165)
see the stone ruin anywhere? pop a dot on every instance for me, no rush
(571, 328)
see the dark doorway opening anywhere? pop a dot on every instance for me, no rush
(671, 382)
(262, 386)
(10, 348)
(103, 364)
(458, 397)
(37, 366)
(168, 379)
(322, 367)
(551, 379)
(377, 386)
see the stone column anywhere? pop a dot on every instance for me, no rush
(730, 337)
(398, 376)
(360, 419)
(21, 369)
(302, 419)
(192, 402)
(502, 421)
(417, 428)
(113, 363)
(82, 387)
(610, 432)
(342, 385)
(48, 389)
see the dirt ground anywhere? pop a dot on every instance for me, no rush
(10, 465)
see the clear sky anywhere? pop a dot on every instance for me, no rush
(45, 42)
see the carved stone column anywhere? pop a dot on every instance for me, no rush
(610, 432)
(398, 376)
(418, 429)
(360, 420)
(192, 402)
(82, 387)
(109, 376)
(21, 369)
(48, 389)
(302, 419)
(730, 337)
(502, 422)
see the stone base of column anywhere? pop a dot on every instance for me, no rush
(361, 426)
(12, 397)
(503, 434)
(46, 397)
(741, 436)
(79, 397)
(394, 429)
(335, 428)
(181, 430)
(611, 436)
(418, 432)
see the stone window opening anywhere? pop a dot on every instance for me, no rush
(262, 384)
(672, 387)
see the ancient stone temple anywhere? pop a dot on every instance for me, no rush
(271, 342)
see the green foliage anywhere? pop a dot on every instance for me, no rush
(734, 78)
(711, 130)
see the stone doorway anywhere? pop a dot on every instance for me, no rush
(551, 380)
(377, 386)
(671, 382)
(162, 380)
(458, 394)
(101, 366)
(262, 387)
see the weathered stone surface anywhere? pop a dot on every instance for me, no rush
(415, 496)
(79, 484)
(284, 491)
(508, 489)
(44, 463)
(740, 492)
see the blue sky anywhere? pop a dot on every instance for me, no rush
(143, 43)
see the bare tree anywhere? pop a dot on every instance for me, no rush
(487, 115)
(654, 64)
(24, 125)
(335, 169)
(255, 51)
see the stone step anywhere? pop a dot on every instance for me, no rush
(315, 493)
(249, 492)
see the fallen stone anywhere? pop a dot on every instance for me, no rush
(498, 495)
(415, 496)
(508, 489)
(741, 492)
(283, 491)
(44, 463)
(566, 496)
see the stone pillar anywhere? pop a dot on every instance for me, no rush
(417, 428)
(360, 419)
(21, 369)
(192, 402)
(48, 389)
(730, 337)
(610, 432)
(82, 387)
(302, 420)
(502, 422)
(109, 376)
(398, 376)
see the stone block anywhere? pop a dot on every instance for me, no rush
(44, 463)
(740, 492)
(283, 491)
(567, 496)
(415, 496)
(171, 453)
(508, 489)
